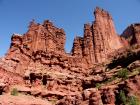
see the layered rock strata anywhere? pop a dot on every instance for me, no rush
(43, 45)
(36, 64)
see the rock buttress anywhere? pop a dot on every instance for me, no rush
(132, 34)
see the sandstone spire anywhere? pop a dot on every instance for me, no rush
(100, 38)
(43, 44)
(36, 65)
(105, 38)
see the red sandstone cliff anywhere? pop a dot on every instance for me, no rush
(100, 39)
(36, 64)
(43, 40)
(44, 44)
(132, 34)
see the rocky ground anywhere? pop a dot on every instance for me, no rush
(107, 86)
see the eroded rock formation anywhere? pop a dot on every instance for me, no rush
(44, 44)
(36, 64)
(132, 34)
(100, 39)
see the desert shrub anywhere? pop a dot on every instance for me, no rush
(122, 97)
(133, 100)
(14, 92)
(128, 100)
(98, 85)
(123, 73)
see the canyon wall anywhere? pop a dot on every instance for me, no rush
(42, 46)
(99, 67)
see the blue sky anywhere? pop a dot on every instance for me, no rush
(71, 15)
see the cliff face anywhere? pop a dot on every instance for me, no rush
(45, 38)
(132, 34)
(42, 40)
(101, 65)
(43, 45)
(30, 47)
(100, 38)
(105, 38)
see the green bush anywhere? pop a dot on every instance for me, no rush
(14, 92)
(98, 85)
(123, 73)
(123, 97)
(133, 100)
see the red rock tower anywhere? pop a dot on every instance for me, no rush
(100, 39)
(42, 46)
(105, 38)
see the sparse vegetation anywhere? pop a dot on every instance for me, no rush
(133, 100)
(123, 73)
(98, 85)
(14, 92)
(124, 99)
(111, 79)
